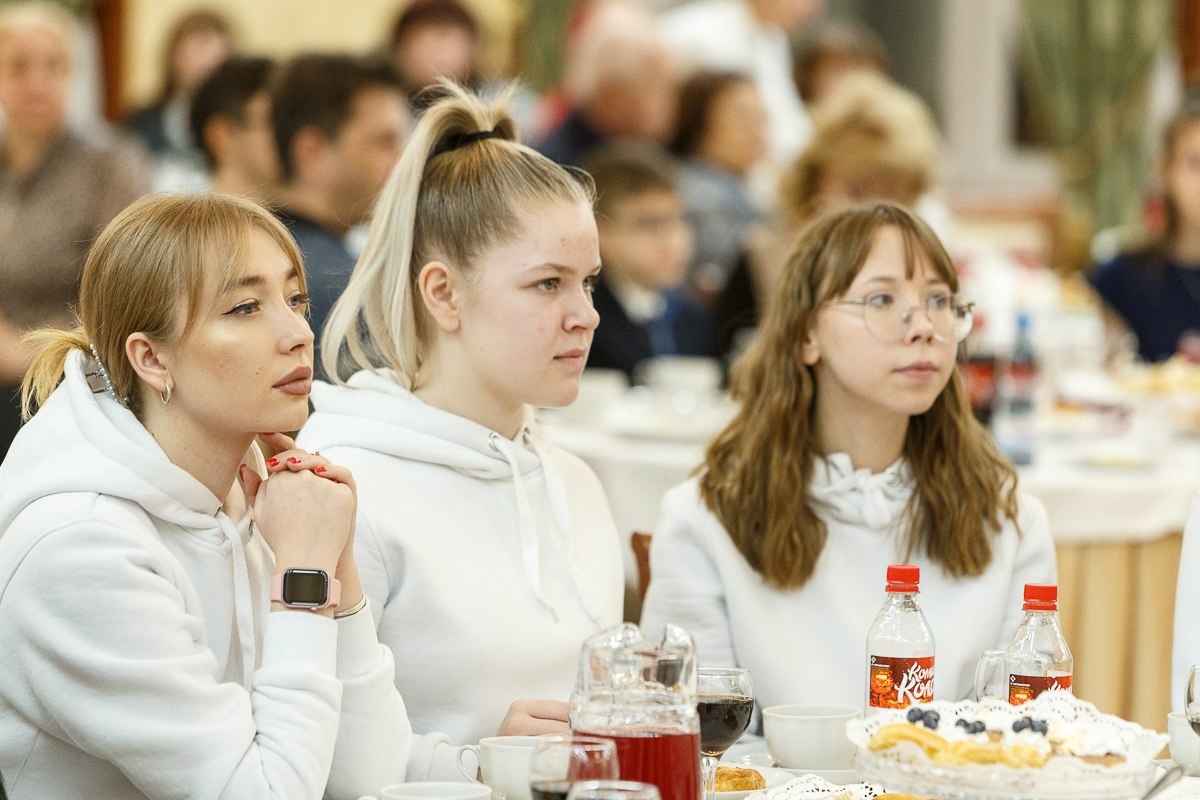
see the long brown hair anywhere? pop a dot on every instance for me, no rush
(161, 250)
(757, 472)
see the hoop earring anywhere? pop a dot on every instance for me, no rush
(165, 397)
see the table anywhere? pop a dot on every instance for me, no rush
(1117, 532)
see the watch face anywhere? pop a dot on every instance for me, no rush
(305, 587)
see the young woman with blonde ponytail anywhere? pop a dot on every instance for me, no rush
(854, 448)
(488, 554)
(141, 651)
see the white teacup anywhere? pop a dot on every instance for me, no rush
(433, 790)
(809, 737)
(694, 373)
(504, 763)
(1185, 743)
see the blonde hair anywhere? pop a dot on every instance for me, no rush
(457, 190)
(868, 126)
(757, 471)
(26, 14)
(160, 251)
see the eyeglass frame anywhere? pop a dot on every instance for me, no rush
(966, 308)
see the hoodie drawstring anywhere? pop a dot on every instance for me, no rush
(243, 603)
(558, 504)
(527, 524)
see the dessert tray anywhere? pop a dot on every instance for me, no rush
(1073, 751)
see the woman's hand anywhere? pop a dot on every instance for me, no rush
(304, 509)
(289, 458)
(534, 717)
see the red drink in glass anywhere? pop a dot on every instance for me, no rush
(669, 760)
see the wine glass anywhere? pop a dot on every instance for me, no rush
(1191, 700)
(558, 762)
(613, 790)
(725, 706)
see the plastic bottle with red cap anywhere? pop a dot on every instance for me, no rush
(1038, 659)
(900, 650)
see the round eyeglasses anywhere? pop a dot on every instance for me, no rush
(950, 316)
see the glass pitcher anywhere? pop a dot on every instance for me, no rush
(643, 697)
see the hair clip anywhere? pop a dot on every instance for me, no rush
(105, 382)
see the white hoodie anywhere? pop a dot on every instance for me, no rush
(487, 561)
(808, 645)
(137, 655)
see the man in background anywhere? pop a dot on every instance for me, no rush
(231, 123)
(340, 123)
(58, 187)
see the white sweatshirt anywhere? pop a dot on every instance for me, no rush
(808, 645)
(487, 561)
(1186, 645)
(138, 657)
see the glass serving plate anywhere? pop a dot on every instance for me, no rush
(906, 768)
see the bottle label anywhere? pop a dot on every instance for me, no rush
(1023, 688)
(900, 682)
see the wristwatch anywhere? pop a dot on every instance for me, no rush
(310, 589)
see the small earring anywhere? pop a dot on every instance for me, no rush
(165, 396)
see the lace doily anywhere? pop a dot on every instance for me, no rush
(907, 769)
(813, 787)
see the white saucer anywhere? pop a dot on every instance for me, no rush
(841, 777)
(772, 775)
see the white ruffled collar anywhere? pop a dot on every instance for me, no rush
(859, 496)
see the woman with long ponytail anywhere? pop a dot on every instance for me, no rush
(488, 554)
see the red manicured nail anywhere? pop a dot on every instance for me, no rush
(272, 462)
(320, 469)
(293, 460)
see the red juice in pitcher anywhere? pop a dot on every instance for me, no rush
(669, 760)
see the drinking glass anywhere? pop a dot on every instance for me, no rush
(726, 703)
(991, 678)
(558, 762)
(613, 790)
(1191, 700)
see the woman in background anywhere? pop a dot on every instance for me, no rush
(721, 134)
(1153, 290)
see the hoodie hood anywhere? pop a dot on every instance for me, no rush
(82, 441)
(373, 412)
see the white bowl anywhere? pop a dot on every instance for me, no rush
(809, 737)
(1185, 743)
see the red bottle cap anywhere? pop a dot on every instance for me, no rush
(903, 578)
(1041, 597)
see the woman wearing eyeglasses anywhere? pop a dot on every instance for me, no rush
(854, 448)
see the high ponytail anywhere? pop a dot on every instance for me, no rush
(459, 188)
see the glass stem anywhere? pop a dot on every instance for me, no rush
(710, 775)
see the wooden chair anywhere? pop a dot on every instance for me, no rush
(640, 542)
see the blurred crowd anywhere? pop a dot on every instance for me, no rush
(714, 129)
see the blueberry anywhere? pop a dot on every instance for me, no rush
(931, 719)
(976, 727)
(1022, 724)
(915, 714)
(962, 723)
(1039, 726)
